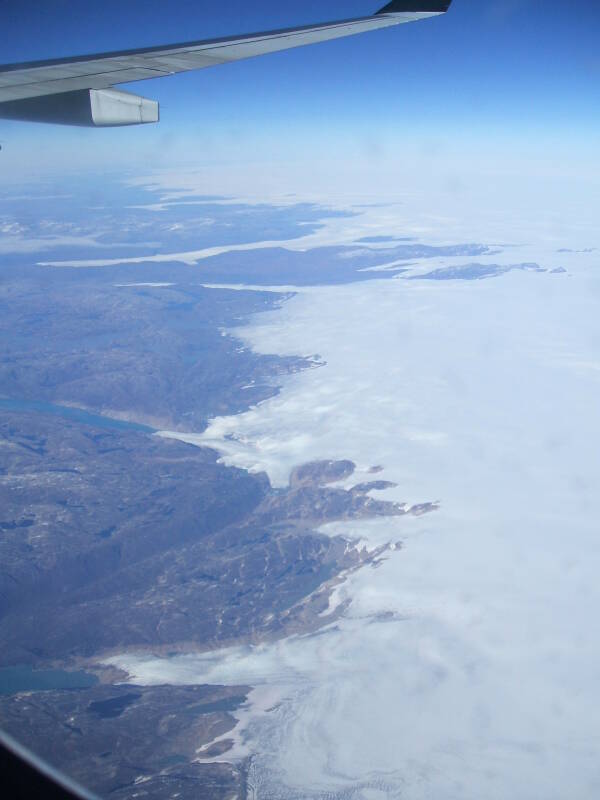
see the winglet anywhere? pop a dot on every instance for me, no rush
(416, 6)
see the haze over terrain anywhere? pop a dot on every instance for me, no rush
(298, 414)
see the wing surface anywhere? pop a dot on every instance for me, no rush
(26, 81)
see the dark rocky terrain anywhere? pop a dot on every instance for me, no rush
(155, 355)
(113, 539)
(476, 272)
(132, 741)
(332, 265)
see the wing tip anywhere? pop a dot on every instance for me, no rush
(416, 6)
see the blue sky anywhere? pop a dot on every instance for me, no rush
(522, 72)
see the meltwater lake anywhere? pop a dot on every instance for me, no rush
(74, 414)
(23, 678)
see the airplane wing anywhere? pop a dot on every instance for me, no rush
(79, 90)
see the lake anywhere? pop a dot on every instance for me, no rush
(74, 414)
(23, 678)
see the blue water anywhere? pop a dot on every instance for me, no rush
(75, 414)
(26, 679)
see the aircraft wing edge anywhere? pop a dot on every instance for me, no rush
(80, 90)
